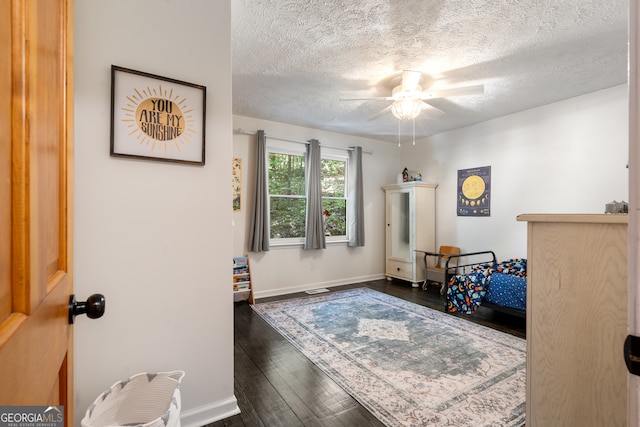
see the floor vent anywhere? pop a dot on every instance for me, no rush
(317, 291)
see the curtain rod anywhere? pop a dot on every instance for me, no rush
(245, 132)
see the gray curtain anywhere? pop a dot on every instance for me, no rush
(315, 225)
(259, 231)
(355, 202)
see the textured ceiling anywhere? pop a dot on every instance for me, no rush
(293, 61)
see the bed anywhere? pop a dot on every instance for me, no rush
(500, 286)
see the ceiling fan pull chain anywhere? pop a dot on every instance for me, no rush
(398, 133)
(414, 131)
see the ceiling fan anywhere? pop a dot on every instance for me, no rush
(409, 100)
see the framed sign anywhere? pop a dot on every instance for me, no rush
(156, 118)
(474, 191)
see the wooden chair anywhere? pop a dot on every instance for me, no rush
(435, 274)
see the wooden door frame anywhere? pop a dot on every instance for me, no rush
(634, 205)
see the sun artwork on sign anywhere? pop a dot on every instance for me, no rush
(159, 119)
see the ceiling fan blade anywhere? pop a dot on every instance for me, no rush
(373, 98)
(456, 91)
(410, 80)
(379, 113)
(430, 111)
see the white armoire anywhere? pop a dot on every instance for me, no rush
(410, 223)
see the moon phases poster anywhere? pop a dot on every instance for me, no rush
(474, 191)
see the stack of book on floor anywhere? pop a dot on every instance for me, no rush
(241, 278)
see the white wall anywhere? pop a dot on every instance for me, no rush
(567, 157)
(292, 269)
(150, 235)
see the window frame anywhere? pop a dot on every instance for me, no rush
(333, 154)
(298, 149)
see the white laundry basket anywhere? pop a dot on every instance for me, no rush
(145, 399)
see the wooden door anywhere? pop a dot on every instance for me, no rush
(36, 113)
(633, 406)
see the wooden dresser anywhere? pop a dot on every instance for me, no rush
(576, 320)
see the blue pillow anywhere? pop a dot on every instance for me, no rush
(513, 267)
(508, 291)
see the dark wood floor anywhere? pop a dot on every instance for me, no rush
(277, 386)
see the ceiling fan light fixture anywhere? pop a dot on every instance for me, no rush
(406, 109)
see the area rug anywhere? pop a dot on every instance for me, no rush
(407, 364)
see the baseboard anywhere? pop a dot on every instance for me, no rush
(209, 413)
(309, 286)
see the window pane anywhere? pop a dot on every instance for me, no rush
(333, 178)
(335, 216)
(287, 217)
(286, 174)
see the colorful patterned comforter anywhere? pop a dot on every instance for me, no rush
(503, 284)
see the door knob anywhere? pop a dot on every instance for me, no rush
(93, 307)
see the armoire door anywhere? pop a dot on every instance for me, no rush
(399, 225)
(36, 124)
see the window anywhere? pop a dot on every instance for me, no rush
(287, 198)
(287, 201)
(334, 196)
